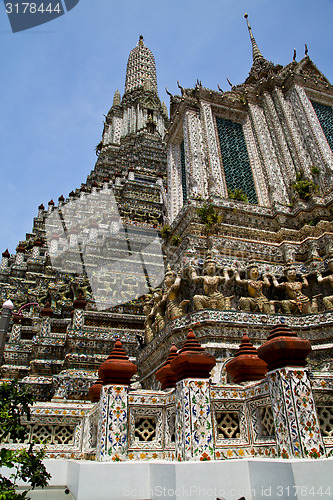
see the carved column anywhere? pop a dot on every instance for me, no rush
(312, 132)
(112, 441)
(194, 155)
(194, 423)
(278, 139)
(259, 179)
(295, 416)
(15, 334)
(175, 194)
(112, 436)
(78, 313)
(4, 260)
(216, 186)
(46, 314)
(20, 251)
(291, 131)
(194, 426)
(277, 187)
(296, 422)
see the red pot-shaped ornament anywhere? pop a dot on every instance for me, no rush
(192, 360)
(165, 375)
(246, 366)
(117, 369)
(284, 348)
(95, 390)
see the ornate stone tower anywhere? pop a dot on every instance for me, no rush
(249, 256)
(250, 200)
(75, 245)
(261, 137)
(135, 125)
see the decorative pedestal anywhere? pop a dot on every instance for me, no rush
(112, 442)
(78, 314)
(46, 314)
(194, 426)
(297, 427)
(15, 334)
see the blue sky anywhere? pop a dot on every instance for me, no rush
(57, 80)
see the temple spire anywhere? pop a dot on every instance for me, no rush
(256, 54)
(141, 70)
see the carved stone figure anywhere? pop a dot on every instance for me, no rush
(257, 301)
(147, 308)
(157, 312)
(297, 302)
(173, 306)
(213, 298)
(328, 300)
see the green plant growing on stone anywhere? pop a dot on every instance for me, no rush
(26, 464)
(165, 232)
(238, 195)
(175, 240)
(209, 215)
(315, 170)
(304, 187)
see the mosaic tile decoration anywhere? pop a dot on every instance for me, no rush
(182, 162)
(112, 426)
(194, 425)
(296, 422)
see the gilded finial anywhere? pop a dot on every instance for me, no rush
(141, 40)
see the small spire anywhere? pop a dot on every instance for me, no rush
(256, 54)
(164, 109)
(141, 40)
(116, 98)
(306, 49)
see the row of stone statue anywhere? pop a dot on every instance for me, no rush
(165, 304)
(57, 294)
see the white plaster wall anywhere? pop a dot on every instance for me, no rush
(229, 480)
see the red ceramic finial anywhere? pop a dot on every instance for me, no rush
(6, 254)
(51, 202)
(191, 343)
(41, 207)
(117, 369)
(46, 311)
(80, 302)
(95, 390)
(165, 375)
(192, 361)
(17, 318)
(61, 198)
(20, 248)
(246, 365)
(284, 348)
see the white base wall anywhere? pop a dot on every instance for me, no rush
(228, 480)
